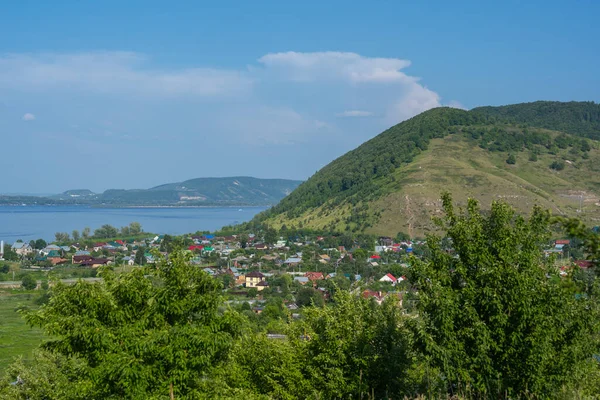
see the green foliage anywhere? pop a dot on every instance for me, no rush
(511, 159)
(497, 319)
(4, 268)
(578, 118)
(62, 237)
(140, 257)
(106, 231)
(252, 292)
(309, 296)
(28, 282)
(139, 332)
(557, 165)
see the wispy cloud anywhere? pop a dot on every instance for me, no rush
(115, 72)
(28, 117)
(337, 65)
(354, 113)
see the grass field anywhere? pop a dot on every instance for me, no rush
(16, 337)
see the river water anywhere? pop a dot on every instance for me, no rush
(33, 222)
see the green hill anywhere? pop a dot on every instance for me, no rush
(236, 190)
(230, 191)
(393, 182)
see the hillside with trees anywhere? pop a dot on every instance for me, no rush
(392, 182)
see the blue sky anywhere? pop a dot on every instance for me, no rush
(134, 94)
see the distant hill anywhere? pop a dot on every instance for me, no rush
(235, 191)
(525, 154)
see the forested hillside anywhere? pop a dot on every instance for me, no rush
(393, 181)
(578, 118)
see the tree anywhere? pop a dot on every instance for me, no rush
(28, 282)
(270, 236)
(85, 233)
(496, 319)
(511, 159)
(61, 237)
(135, 228)
(140, 256)
(585, 145)
(4, 268)
(557, 165)
(40, 244)
(75, 235)
(106, 231)
(252, 292)
(308, 296)
(533, 157)
(143, 334)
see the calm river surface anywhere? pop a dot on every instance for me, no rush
(33, 222)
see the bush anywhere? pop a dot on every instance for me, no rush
(511, 159)
(4, 268)
(558, 165)
(29, 282)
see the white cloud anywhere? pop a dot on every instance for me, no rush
(287, 98)
(416, 100)
(115, 72)
(354, 113)
(406, 95)
(337, 65)
(28, 117)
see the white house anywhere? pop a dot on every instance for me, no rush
(388, 278)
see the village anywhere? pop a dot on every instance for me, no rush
(254, 268)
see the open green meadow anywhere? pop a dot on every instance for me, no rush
(16, 337)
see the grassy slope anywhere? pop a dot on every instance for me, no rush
(461, 167)
(16, 337)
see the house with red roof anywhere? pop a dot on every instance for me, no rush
(314, 276)
(389, 278)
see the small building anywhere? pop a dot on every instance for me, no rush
(253, 278)
(22, 249)
(262, 285)
(388, 278)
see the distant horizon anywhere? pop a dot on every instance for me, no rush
(37, 194)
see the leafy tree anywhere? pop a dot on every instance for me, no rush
(62, 237)
(271, 236)
(511, 159)
(557, 165)
(85, 233)
(402, 236)
(4, 268)
(585, 145)
(140, 256)
(308, 296)
(135, 228)
(10, 254)
(40, 244)
(75, 235)
(252, 292)
(497, 318)
(106, 231)
(28, 282)
(142, 334)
